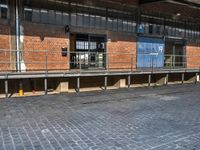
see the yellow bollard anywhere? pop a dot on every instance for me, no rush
(21, 91)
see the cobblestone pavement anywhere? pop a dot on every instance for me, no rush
(166, 118)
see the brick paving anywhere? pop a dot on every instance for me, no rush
(165, 118)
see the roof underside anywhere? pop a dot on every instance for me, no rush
(187, 8)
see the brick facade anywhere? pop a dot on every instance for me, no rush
(5, 55)
(193, 55)
(121, 51)
(121, 46)
(45, 37)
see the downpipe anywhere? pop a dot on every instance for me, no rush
(18, 51)
(18, 65)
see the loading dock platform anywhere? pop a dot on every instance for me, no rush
(104, 79)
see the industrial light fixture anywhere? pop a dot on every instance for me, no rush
(177, 15)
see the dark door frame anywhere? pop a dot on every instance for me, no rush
(89, 39)
(182, 42)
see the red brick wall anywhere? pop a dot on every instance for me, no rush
(5, 55)
(193, 55)
(45, 37)
(122, 51)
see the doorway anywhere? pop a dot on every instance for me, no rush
(175, 53)
(87, 51)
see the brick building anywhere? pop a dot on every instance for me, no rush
(63, 35)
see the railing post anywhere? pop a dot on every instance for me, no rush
(149, 80)
(78, 85)
(152, 63)
(131, 61)
(80, 63)
(46, 74)
(171, 63)
(167, 79)
(129, 81)
(107, 61)
(196, 76)
(45, 86)
(6, 88)
(46, 62)
(105, 83)
(183, 78)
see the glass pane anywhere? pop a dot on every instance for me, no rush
(4, 11)
(65, 19)
(92, 21)
(58, 18)
(28, 14)
(98, 21)
(44, 16)
(80, 19)
(120, 25)
(36, 15)
(52, 18)
(86, 22)
(110, 21)
(103, 22)
(125, 26)
(115, 24)
(73, 19)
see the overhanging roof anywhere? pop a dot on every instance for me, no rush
(191, 3)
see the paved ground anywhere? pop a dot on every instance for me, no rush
(164, 118)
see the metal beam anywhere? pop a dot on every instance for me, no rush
(183, 2)
(142, 2)
(187, 2)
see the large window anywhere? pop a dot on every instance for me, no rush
(47, 14)
(81, 16)
(3, 9)
(151, 25)
(77, 15)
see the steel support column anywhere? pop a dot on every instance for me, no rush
(78, 85)
(182, 78)
(45, 86)
(6, 88)
(105, 83)
(149, 80)
(129, 81)
(167, 79)
(196, 76)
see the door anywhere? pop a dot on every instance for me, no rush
(174, 53)
(97, 52)
(150, 52)
(89, 52)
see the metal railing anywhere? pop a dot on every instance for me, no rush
(56, 61)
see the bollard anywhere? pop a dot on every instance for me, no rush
(21, 91)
